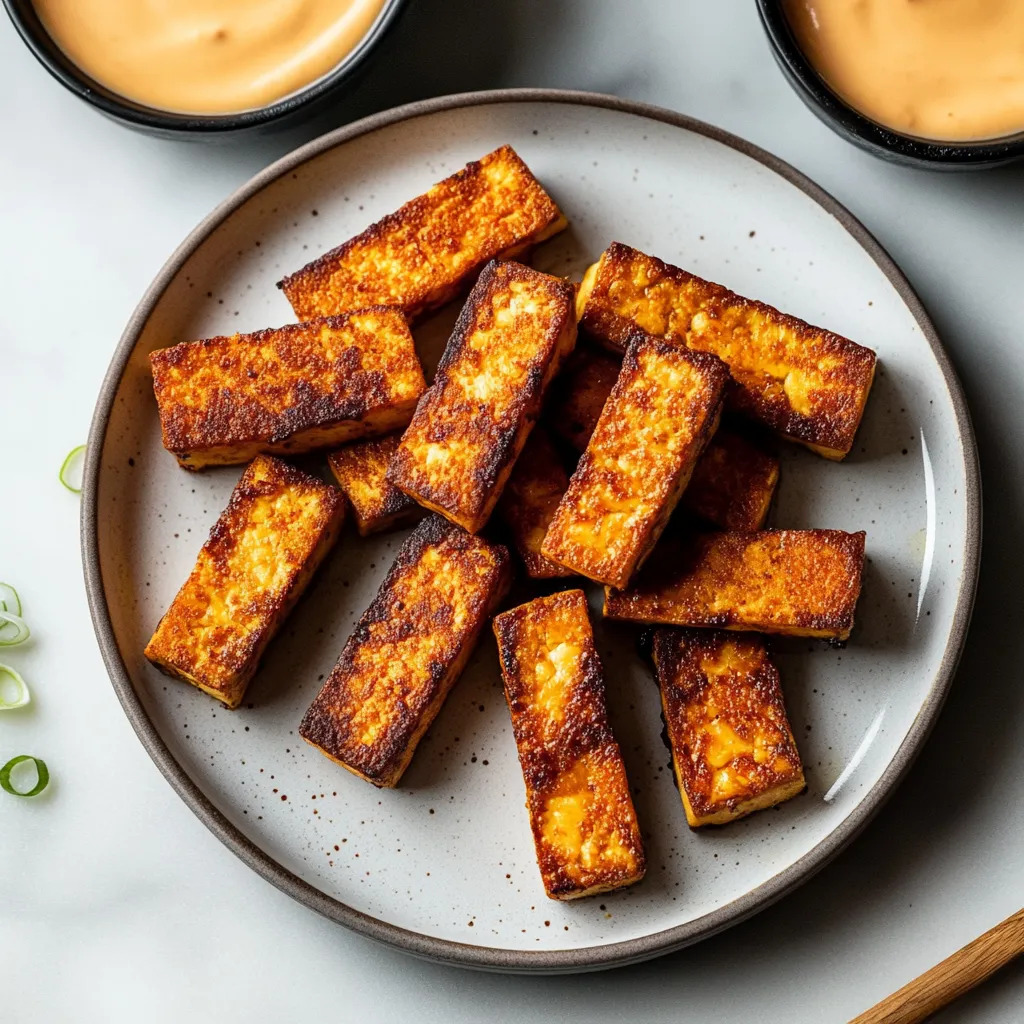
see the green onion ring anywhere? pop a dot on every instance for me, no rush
(22, 632)
(9, 597)
(42, 771)
(24, 696)
(69, 458)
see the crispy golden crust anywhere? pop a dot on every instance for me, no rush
(509, 342)
(579, 392)
(429, 251)
(260, 555)
(807, 383)
(407, 651)
(287, 390)
(732, 746)
(734, 481)
(529, 500)
(584, 825)
(360, 470)
(797, 582)
(662, 411)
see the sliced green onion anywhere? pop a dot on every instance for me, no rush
(42, 776)
(9, 600)
(13, 630)
(66, 465)
(21, 692)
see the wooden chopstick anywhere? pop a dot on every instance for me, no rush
(946, 981)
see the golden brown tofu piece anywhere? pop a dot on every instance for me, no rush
(428, 252)
(260, 556)
(732, 746)
(735, 477)
(529, 501)
(584, 825)
(733, 482)
(579, 393)
(287, 390)
(662, 411)
(407, 651)
(514, 332)
(377, 504)
(804, 382)
(797, 582)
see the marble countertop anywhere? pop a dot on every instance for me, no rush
(115, 900)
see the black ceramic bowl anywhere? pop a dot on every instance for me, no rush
(855, 128)
(298, 105)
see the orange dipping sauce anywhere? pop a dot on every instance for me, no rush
(207, 56)
(946, 70)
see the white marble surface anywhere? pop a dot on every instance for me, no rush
(115, 903)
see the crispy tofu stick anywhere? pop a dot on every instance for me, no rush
(260, 556)
(804, 382)
(584, 825)
(377, 504)
(733, 482)
(735, 477)
(529, 501)
(514, 332)
(428, 252)
(796, 582)
(662, 411)
(287, 390)
(408, 650)
(579, 392)
(732, 747)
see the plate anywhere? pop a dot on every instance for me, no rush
(443, 867)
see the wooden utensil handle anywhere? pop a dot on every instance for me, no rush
(957, 974)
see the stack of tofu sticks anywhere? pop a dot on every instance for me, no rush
(629, 375)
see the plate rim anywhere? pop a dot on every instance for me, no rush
(448, 951)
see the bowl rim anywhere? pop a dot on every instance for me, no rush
(871, 135)
(445, 950)
(76, 80)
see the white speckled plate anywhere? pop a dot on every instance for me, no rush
(443, 866)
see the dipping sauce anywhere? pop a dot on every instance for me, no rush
(207, 56)
(948, 70)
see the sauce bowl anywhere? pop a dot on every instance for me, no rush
(862, 132)
(296, 106)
